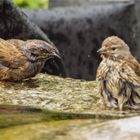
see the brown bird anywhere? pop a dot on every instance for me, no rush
(118, 74)
(23, 59)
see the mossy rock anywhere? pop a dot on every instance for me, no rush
(48, 107)
(53, 93)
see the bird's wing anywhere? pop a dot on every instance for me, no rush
(134, 64)
(10, 56)
(128, 75)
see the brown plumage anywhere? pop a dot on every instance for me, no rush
(118, 74)
(23, 59)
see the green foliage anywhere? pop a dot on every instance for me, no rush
(32, 3)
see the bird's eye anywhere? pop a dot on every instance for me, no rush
(33, 54)
(114, 49)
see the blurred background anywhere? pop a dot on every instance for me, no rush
(32, 3)
(78, 27)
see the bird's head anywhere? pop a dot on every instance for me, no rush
(114, 47)
(38, 50)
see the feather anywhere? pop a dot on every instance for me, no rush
(10, 56)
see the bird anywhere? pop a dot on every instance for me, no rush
(24, 59)
(118, 75)
(53, 66)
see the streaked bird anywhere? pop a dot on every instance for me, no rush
(118, 74)
(23, 59)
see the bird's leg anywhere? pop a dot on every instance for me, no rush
(120, 107)
(121, 102)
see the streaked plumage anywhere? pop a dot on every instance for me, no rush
(23, 59)
(118, 74)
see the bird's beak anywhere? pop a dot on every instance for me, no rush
(101, 50)
(54, 54)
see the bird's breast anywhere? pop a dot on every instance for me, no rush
(111, 74)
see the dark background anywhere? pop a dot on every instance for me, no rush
(78, 31)
(77, 28)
